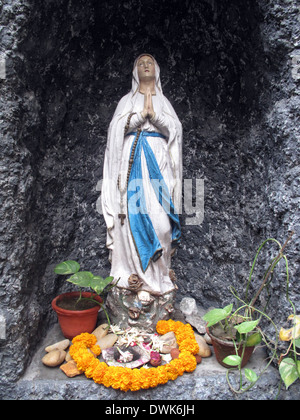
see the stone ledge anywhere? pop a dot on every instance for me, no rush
(207, 382)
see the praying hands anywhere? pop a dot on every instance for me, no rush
(148, 111)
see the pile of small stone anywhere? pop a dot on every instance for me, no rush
(58, 354)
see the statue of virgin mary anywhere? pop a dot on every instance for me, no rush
(141, 198)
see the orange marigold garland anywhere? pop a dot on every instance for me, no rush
(84, 350)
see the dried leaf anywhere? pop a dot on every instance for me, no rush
(291, 333)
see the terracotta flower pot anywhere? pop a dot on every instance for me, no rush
(224, 348)
(74, 322)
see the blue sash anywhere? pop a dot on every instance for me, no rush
(146, 241)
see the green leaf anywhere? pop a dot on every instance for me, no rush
(67, 267)
(254, 339)
(250, 375)
(288, 371)
(233, 360)
(216, 315)
(81, 279)
(246, 327)
(98, 283)
(297, 342)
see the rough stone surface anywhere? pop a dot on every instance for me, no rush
(231, 70)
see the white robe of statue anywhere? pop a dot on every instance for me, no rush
(124, 257)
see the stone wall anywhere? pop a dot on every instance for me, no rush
(230, 69)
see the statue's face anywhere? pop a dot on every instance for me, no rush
(146, 68)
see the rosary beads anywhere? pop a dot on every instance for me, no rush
(123, 190)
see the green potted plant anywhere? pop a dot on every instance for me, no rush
(235, 333)
(77, 311)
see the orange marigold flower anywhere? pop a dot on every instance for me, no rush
(190, 345)
(134, 379)
(96, 350)
(99, 372)
(162, 375)
(177, 364)
(87, 339)
(163, 327)
(89, 372)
